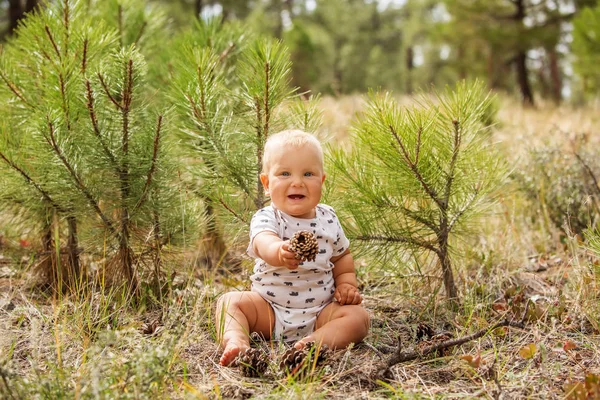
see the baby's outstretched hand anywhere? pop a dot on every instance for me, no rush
(346, 293)
(286, 257)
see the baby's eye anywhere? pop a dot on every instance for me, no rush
(308, 174)
(285, 173)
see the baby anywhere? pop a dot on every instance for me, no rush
(293, 300)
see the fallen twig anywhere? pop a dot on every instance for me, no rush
(401, 356)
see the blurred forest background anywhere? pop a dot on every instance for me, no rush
(533, 49)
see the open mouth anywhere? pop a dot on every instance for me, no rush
(296, 196)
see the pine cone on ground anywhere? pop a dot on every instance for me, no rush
(305, 245)
(252, 362)
(294, 361)
(424, 331)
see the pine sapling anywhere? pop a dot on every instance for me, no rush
(417, 177)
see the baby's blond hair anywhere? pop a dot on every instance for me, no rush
(294, 138)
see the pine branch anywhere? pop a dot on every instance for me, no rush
(30, 180)
(462, 211)
(259, 199)
(588, 169)
(124, 172)
(415, 217)
(13, 88)
(266, 101)
(152, 169)
(41, 48)
(418, 145)
(56, 49)
(84, 56)
(396, 239)
(262, 136)
(107, 91)
(51, 139)
(96, 128)
(128, 89)
(140, 33)
(200, 114)
(455, 150)
(226, 52)
(413, 166)
(232, 211)
(66, 24)
(65, 103)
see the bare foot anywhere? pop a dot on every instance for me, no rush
(231, 351)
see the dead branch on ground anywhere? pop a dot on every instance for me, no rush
(400, 356)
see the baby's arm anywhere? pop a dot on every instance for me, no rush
(346, 286)
(274, 251)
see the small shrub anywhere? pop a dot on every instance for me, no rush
(563, 187)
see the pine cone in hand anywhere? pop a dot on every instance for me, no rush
(305, 245)
(253, 363)
(294, 360)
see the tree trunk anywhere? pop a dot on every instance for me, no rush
(523, 78)
(491, 77)
(199, 7)
(215, 245)
(447, 274)
(15, 13)
(521, 56)
(542, 81)
(279, 25)
(555, 78)
(30, 5)
(410, 65)
(442, 239)
(74, 268)
(225, 13)
(48, 265)
(462, 68)
(157, 254)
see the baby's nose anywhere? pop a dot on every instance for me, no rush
(297, 181)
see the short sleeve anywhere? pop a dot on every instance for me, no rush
(341, 243)
(263, 220)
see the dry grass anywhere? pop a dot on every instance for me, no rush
(100, 345)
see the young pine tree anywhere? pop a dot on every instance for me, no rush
(81, 137)
(230, 92)
(417, 177)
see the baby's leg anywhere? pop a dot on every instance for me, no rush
(238, 315)
(337, 326)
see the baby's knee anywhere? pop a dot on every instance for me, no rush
(360, 319)
(231, 300)
(363, 318)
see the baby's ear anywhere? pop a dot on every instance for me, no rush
(323, 178)
(264, 178)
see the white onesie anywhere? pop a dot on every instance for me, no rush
(297, 296)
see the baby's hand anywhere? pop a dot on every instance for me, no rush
(346, 293)
(286, 257)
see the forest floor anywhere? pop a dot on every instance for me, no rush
(100, 344)
(75, 348)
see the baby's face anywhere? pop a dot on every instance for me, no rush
(295, 180)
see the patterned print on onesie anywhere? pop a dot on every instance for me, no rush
(297, 296)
